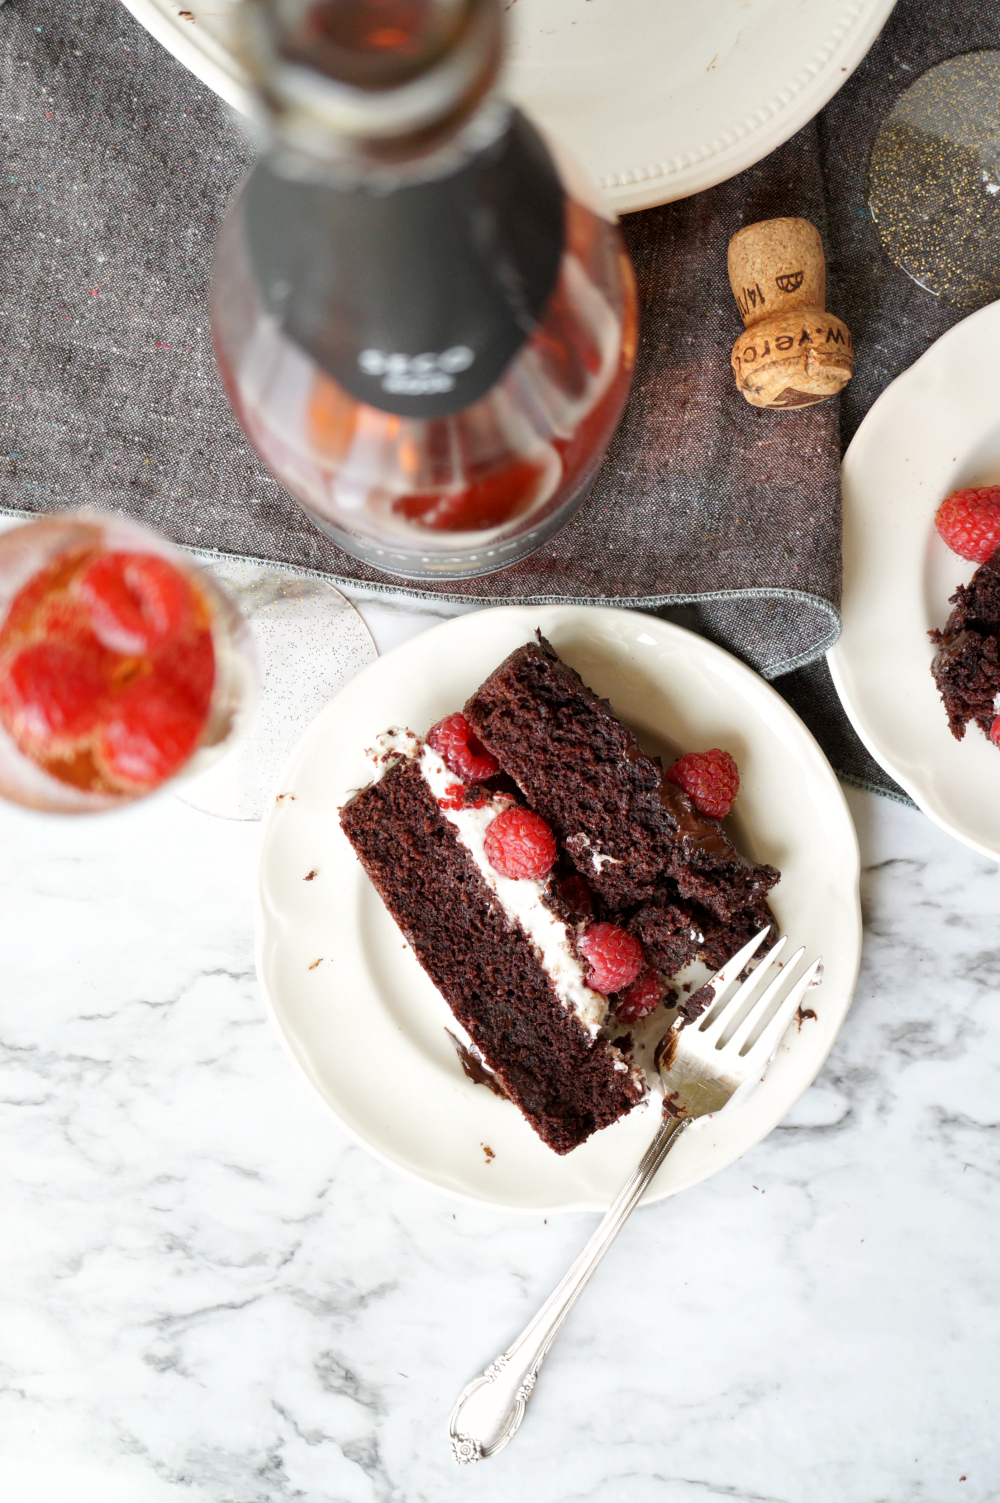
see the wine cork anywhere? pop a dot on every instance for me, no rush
(793, 353)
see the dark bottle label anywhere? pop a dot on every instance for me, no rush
(414, 299)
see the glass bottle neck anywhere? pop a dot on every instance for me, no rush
(358, 85)
(349, 162)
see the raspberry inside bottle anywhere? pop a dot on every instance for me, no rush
(426, 338)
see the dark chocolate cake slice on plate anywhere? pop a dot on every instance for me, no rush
(633, 871)
(966, 667)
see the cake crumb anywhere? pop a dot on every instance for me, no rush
(285, 795)
(315, 963)
(488, 1151)
(310, 875)
(699, 1002)
(802, 1014)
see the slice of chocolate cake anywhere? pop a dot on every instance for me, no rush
(630, 832)
(545, 948)
(497, 948)
(966, 668)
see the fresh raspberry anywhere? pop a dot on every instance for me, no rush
(135, 600)
(189, 665)
(969, 522)
(615, 957)
(453, 797)
(711, 780)
(463, 753)
(41, 607)
(149, 733)
(490, 500)
(520, 844)
(642, 996)
(577, 896)
(995, 732)
(53, 691)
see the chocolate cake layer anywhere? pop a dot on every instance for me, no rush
(967, 667)
(567, 1083)
(625, 827)
(674, 933)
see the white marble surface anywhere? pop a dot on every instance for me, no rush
(211, 1295)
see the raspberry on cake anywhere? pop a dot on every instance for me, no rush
(969, 522)
(462, 752)
(710, 779)
(577, 896)
(614, 956)
(563, 869)
(519, 843)
(642, 997)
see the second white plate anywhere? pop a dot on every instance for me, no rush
(937, 427)
(362, 1020)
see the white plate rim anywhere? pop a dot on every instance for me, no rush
(666, 1184)
(907, 416)
(769, 120)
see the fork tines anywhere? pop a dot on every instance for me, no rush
(742, 1027)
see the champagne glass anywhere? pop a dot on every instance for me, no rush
(122, 665)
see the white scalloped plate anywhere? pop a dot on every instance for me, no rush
(362, 1020)
(937, 427)
(657, 98)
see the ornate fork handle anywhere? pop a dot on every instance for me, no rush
(490, 1408)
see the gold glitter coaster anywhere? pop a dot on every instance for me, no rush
(934, 180)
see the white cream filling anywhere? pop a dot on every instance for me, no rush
(390, 747)
(520, 897)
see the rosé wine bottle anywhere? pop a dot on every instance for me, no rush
(122, 665)
(426, 337)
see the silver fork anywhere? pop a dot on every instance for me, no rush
(705, 1065)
